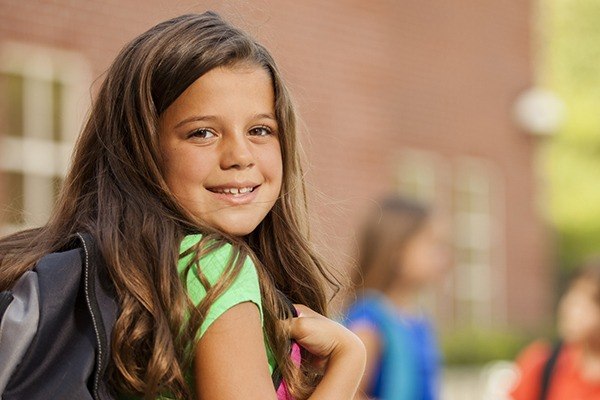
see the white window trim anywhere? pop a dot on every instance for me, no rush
(32, 156)
(434, 187)
(488, 280)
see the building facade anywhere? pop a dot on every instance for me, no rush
(409, 96)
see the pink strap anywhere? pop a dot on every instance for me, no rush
(282, 391)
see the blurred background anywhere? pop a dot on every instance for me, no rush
(486, 109)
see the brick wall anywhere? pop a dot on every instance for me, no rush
(370, 79)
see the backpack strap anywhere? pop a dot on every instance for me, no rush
(101, 300)
(400, 375)
(549, 369)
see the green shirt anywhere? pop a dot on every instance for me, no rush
(244, 288)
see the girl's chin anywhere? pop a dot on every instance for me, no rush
(235, 221)
(238, 233)
(236, 229)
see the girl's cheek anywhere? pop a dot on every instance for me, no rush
(579, 319)
(596, 329)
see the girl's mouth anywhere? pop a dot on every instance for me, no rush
(235, 191)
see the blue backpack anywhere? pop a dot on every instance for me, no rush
(400, 378)
(55, 325)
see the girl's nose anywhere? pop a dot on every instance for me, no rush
(237, 153)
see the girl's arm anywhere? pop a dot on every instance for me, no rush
(370, 338)
(231, 361)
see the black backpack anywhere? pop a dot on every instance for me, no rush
(55, 325)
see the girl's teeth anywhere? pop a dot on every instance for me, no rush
(235, 191)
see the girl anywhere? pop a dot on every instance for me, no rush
(187, 174)
(400, 252)
(572, 369)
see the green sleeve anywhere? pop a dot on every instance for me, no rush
(244, 288)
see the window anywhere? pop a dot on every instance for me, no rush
(42, 99)
(424, 176)
(417, 175)
(478, 274)
(468, 195)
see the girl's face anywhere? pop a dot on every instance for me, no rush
(425, 257)
(579, 313)
(220, 144)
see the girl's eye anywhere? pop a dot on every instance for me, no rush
(202, 134)
(260, 131)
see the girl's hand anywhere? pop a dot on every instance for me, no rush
(321, 336)
(335, 345)
(341, 350)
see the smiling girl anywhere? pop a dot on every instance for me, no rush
(187, 174)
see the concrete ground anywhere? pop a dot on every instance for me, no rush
(490, 382)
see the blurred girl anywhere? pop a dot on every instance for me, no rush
(187, 174)
(401, 251)
(570, 370)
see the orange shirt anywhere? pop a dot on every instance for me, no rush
(566, 382)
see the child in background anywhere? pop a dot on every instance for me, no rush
(187, 175)
(570, 370)
(401, 251)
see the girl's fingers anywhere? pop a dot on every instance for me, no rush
(304, 311)
(292, 327)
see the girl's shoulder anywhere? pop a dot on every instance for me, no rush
(369, 309)
(534, 355)
(214, 264)
(216, 261)
(530, 364)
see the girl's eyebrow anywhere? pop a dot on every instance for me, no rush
(267, 116)
(196, 118)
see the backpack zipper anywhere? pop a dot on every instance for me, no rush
(94, 320)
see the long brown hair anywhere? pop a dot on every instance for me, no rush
(387, 230)
(116, 191)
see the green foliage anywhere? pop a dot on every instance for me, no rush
(478, 347)
(572, 159)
